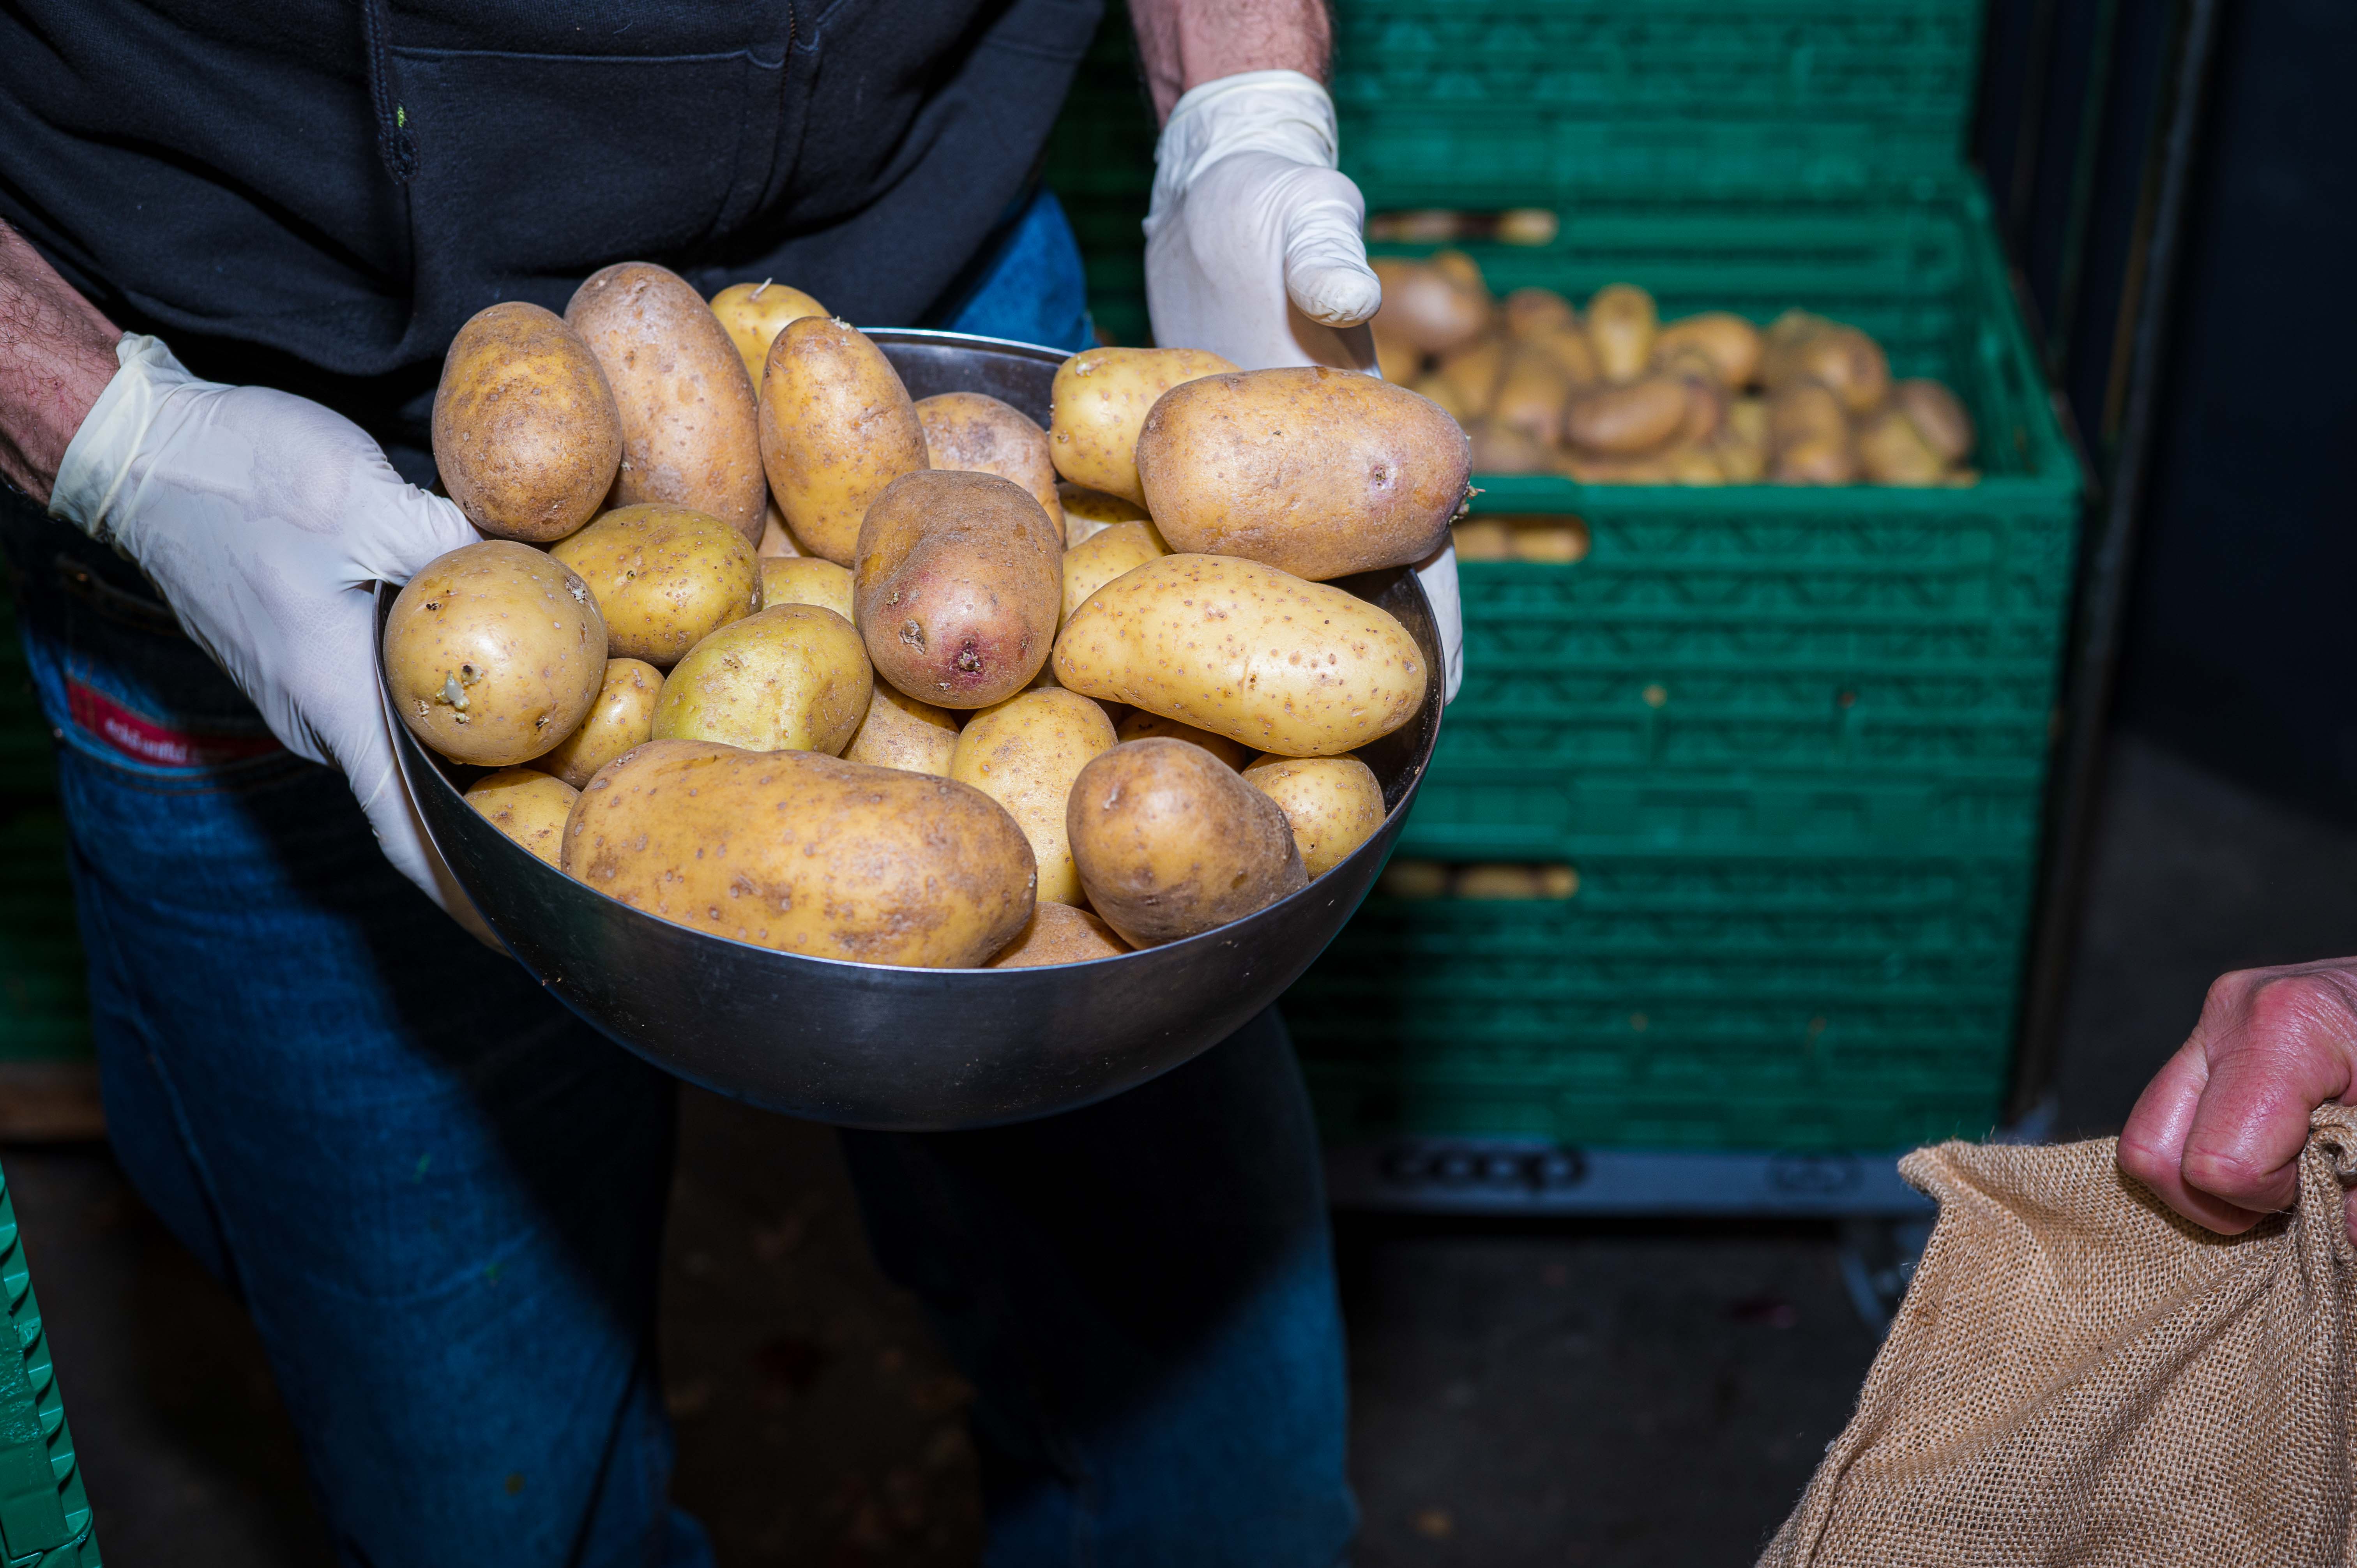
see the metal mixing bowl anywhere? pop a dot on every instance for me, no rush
(868, 1046)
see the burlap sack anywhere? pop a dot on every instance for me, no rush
(2078, 1376)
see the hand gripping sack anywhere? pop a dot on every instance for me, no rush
(2079, 1376)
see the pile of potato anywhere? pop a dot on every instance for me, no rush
(825, 669)
(1613, 395)
(1478, 881)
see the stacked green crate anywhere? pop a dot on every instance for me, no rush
(1793, 741)
(45, 1518)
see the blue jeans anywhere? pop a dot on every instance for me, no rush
(441, 1197)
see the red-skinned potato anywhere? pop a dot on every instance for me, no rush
(957, 586)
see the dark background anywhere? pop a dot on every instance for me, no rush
(2240, 638)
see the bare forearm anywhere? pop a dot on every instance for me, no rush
(57, 354)
(1186, 43)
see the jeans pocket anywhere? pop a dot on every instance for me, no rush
(117, 681)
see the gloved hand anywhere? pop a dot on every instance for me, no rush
(1255, 251)
(265, 521)
(2218, 1133)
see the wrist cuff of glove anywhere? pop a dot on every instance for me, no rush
(97, 461)
(1280, 111)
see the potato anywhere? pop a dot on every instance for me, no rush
(1170, 841)
(1024, 754)
(1529, 310)
(793, 678)
(1455, 265)
(1631, 417)
(1469, 377)
(1498, 880)
(1243, 650)
(1417, 879)
(980, 435)
(957, 586)
(1892, 451)
(1568, 347)
(1621, 328)
(1730, 344)
(1809, 440)
(1060, 933)
(1447, 397)
(1550, 541)
(1505, 449)
(689, 435)
(776, 538)
(1100, 401)
(755, 313)
(804, 853)
(1692, 463)
(1143, 726)
(1483, 539)
(1431, 307)
(526, 438)
(1803, 414)
(1742, 454)
(1397, 359)
(1087, 512)
(1332, 804)
(1826, 461)
(528, 806)
(1801, 349)
(623, 716)
(1533, 393)
(1317, 472)
(805, 580)
(1607, 468)
(493, 653)
(1937, 417)
(1106, 556)
(666, 577)
(1707, 401)
(837, 427)
(901, 731)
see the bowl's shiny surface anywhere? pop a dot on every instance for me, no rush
(868, 1046)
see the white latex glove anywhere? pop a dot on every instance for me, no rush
(1253, 245)
(1255, 250)
(267, 521)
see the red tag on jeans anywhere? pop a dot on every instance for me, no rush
(142, 739)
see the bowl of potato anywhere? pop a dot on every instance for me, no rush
(1047, 721)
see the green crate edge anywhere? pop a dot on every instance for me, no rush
(55, 1528)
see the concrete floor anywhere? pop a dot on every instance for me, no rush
(1593, 1393)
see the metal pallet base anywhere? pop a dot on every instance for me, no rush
(1536, 1176)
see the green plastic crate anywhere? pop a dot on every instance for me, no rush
(1794, 741)
(1459, 103)
(1722, 1001)
(45, 1517)
(1815, 722)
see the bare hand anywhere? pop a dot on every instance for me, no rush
(2219, 1130)
(57, 354)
